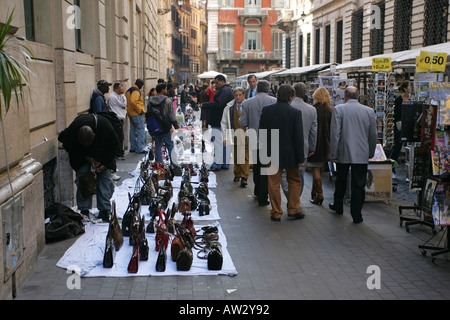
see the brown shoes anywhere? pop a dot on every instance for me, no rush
(297, 216)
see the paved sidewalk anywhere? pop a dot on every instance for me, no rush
(323, 256)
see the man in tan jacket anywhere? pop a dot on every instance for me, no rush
(136, 113)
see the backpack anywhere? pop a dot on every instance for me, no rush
(157, 121)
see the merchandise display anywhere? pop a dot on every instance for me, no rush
(169, 222)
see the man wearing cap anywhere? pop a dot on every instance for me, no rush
(98, 101)
(136, 113)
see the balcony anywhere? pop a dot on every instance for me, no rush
(253, 13)
(250, 56)
(285, 22)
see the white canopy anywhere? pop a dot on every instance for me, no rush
(209, 75)
(396, 57)
(303, 70)
(264, 74)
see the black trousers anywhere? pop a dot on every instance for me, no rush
(260, 181)
(358, 184)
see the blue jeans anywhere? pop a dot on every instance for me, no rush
(222, 155)
(159, 139)
(105, 190)
(137, 134)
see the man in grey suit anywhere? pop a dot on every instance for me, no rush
(250, 118)
(353, 143)
(309, 119)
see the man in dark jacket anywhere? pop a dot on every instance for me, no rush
(92, 144)
(285, 120)
(165, 107)
(224, 95)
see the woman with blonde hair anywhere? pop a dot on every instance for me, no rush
(322, 103)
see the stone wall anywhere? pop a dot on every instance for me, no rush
(120, 41)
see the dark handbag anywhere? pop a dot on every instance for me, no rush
(176, 171)
(117, 231)
(215, 256)
(110, 250)
(134, 229)
(162, 256)
(184, 259)
(88, 184)
(133, 206)
(204, 208)
(143, 242)
(156, 204)
(170, 223)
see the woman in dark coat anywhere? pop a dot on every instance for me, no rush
(322, 102)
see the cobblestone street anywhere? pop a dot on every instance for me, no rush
(322, 257)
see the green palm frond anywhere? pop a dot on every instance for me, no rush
(13, 73)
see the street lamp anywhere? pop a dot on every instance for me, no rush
(303, 16)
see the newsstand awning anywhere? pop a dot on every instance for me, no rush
(266, 74)
(209, 75)
(303, 70)
(397, 58)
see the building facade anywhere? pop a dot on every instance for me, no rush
(196, 40)
(243, 36)
(76, 43)
(339, 31)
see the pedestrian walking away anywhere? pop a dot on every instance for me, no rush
(353, 143)
(322, 155)
(164, 106)
(250, 118)
(309, 118)
(288, 121)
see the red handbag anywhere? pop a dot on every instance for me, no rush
(133, 266)
(159, 239)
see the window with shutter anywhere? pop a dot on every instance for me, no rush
(300, 50)
(402, 25)
(308, 49)
(436, 22)
(226, 44)
(252, 40)
(339, 40)
(277, 44)
(317, 60)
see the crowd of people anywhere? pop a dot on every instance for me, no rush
(277, 135)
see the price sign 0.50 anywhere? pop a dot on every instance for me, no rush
(432, 61)
(381, 64)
